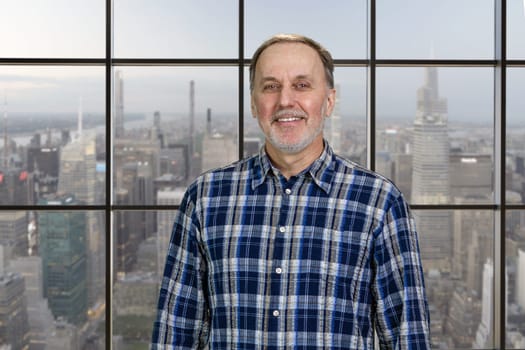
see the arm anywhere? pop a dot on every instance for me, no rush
(402, 319)
(181, 316)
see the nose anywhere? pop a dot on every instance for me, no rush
(287, 97)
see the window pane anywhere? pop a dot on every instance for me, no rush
(515, 29)
(452, 29)
(53, 278)
(59, 28)
(457, 252)
(175, 29)
(435, 133)
(171, 124)
(340, 26)
(515, 279)
(515, 177)
(141, 241)
(53, 129)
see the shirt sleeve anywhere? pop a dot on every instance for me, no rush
(182, 321)
(402, 318)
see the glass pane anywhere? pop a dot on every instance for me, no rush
(515, 29)
(141, 241)
(53, 134)
(452, 29)
(171, 124)
(59, 28)
(177, 29)
(515, 168)
(53, 278)
(435, 133)
(340, 26)
(515, 279)
(457, 252)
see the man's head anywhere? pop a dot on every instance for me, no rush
(291, 82)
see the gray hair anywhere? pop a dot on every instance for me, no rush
(324, 55)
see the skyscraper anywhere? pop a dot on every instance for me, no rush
(430, 172)
(520, 279)
(167, 196)
(63, 249)
(14, 324)
(484, 334)
(78, 176)
(119, 105)
(13, 231)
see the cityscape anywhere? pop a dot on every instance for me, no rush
(53, 262)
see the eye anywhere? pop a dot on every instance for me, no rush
(302, 85)
(270, 87)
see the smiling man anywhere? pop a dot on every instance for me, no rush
(296, 247)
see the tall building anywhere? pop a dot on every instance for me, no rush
(43, 163)
(119, 105)
(39, 315)
(471, 177)
(13, 231)
(217, 149)
(78, 176)
(484, 333)
(168, 197)
(520, 279)
(63, 247)
(16, 186)
(430, 172)
(14, 324)
(77, 173)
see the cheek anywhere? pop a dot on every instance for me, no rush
(263, 107)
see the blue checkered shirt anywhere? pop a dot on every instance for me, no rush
(318, 261)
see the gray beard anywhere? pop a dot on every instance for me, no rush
(298, 147)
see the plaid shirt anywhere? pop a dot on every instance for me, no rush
(314, 262)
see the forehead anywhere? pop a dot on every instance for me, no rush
(290, 57)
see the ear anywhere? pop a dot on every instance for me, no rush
(330, 102)
(253, 107)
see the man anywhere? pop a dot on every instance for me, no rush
(295, 247)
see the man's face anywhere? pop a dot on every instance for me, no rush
(291, 98)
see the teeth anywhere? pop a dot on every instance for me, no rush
(291, 119)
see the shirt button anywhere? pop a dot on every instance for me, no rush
(288, 191)
(278, 270)
(276, 313)
(282, 229)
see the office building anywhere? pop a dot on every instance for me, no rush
(520, 279)
(39, 315)
(14, 324)
(430, 174)
(63, 247)
(484, 333)
(13, 231)
(165, 218)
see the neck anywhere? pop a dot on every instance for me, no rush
(291, 164)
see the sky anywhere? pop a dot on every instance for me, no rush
(180, 29)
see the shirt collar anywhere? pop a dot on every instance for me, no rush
(321, 170)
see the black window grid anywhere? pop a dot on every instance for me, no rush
(500, 63)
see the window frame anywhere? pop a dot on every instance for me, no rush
(500, 63)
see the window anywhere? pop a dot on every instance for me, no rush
(109, 109)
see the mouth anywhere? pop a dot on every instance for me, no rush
(287, 119)
(288, 116)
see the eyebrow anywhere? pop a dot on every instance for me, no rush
(299, 77)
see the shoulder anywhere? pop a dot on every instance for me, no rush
(211, 181)
(350, 172)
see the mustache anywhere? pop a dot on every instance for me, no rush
(288, 113)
